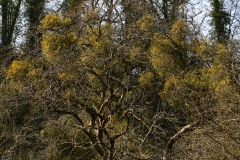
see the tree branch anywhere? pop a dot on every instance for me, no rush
(177, 136)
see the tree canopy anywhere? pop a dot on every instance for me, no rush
(120, 80)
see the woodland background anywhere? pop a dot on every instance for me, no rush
(120, 79)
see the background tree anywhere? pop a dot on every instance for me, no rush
(220, 20)
(35, 12)
(192, 81)
(10, 12)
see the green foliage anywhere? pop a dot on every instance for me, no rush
(186, 86)
(95, 46)
(169, 53)
(22, 72)
(17, 70)
(146, 79)
(53, 21)
(56, 47)
(147, 24)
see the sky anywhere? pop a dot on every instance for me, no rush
(199, 10)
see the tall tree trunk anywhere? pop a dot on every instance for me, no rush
(10, 13)
(220, 21)
(34, 10)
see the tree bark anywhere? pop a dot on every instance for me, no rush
(34, 11)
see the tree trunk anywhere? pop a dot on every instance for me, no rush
(9, 18)
(34, 11)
